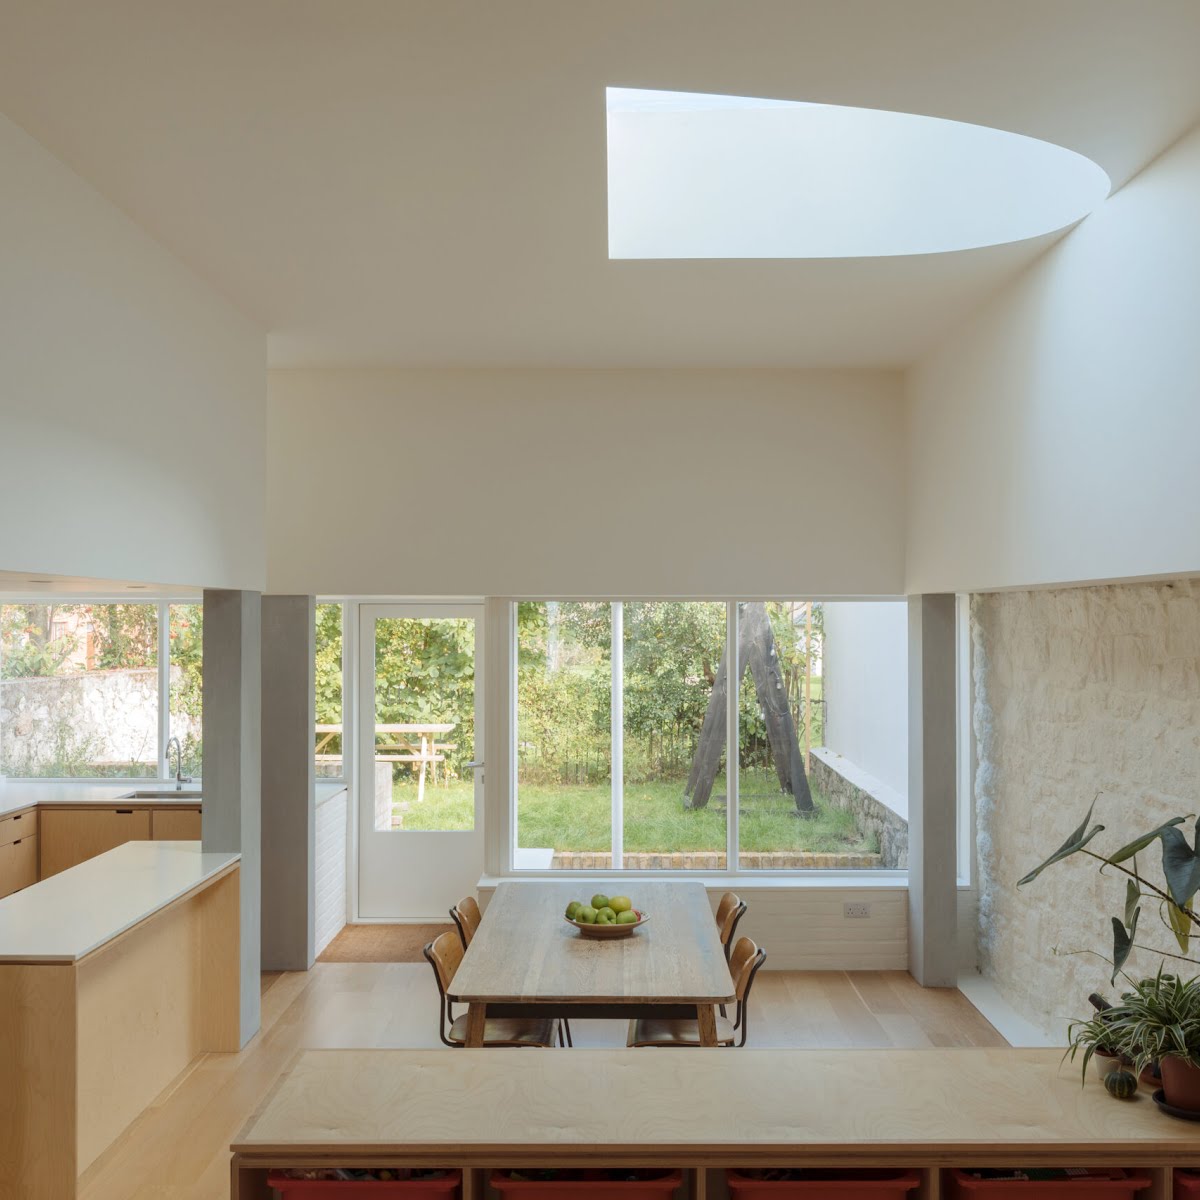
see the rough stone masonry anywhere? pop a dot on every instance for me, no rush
(1077, 691)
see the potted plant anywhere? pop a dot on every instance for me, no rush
(1159, 1021)
(1097, 1038)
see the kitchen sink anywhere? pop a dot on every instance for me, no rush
(162, 794)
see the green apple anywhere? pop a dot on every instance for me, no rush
(620, 904)
(586, 915)
(599, 900)
(628, 917)
(605, 916)
(572, 909)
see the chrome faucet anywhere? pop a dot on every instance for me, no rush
(180, 777)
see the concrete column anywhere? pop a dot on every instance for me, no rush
(932, 788)
(232, 713)
(289, 877)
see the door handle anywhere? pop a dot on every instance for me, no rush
(474, 766)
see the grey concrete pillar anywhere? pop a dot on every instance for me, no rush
(932, 787)
(289, 876)
(232, 714)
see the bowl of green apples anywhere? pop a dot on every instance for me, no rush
(605, 917)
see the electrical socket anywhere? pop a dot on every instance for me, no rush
(856, 910)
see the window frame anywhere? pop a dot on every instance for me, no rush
(505, 806)
(162, 603)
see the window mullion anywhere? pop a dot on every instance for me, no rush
(618, 734)
(733, 675)
(164, 687)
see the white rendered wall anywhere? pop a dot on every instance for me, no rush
(1053, 436)
(133, 395)
(589, 483)
(865, 687)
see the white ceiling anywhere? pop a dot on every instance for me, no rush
(31, 584)
(422, 182)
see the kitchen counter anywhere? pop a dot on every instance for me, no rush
(114, 975)
(16, 794)
(69, 915)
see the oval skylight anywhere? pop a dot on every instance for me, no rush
(699, 176)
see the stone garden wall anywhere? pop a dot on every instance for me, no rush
(77, 724)
(1078, 692)
(879, 811)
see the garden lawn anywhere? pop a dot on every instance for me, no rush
(565, 817)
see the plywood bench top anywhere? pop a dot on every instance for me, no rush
(894, 1107)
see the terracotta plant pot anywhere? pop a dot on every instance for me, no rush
(1181, 1083)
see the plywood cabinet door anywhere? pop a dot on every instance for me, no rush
(72, 835)
(16, 826)
(175, 825)
(24, 862)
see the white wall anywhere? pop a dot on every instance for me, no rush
(865, 687)
(1053, 438)
(585, 482)
(331, 825)
(133, 396)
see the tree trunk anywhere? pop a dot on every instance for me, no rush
(756, 650)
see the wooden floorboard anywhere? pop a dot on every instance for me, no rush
(178, 1149)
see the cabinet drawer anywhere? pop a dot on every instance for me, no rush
(175, 824)
(24, 862)
(19, 825)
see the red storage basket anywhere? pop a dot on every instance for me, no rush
(1110, 1185)
(367, 1189)
(574, 1184)
(862, 1184)
(1187, 1185)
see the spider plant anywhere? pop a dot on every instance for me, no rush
(1157, 1020)
(1098, 1035)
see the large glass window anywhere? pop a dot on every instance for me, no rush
(623, 718)
(564, 799)
(185, 635)
(330, 679)
(674, 721)
(79, 690)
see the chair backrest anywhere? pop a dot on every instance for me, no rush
(469, 914)
(725, 910)
(744, 964)
(444, 953)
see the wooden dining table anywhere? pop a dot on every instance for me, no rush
(525, 960)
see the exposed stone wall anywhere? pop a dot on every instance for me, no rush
(874, 805)
(73, 724)
(1077, 692)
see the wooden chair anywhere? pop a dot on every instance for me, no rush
(444, 953)
(466, 917)
(729, 912)
(744, 965)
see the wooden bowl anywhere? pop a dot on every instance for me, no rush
(607, 932)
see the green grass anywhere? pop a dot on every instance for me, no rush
(565, 817)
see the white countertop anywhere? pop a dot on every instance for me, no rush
(16, 794)
(73, 913)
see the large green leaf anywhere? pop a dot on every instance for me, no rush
(1133, 894)
(1123, 942)
(1139, 844)
(1072, 845)
(1181, 866)
(1181, 924)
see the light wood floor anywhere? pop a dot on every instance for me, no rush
(178, 1149)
